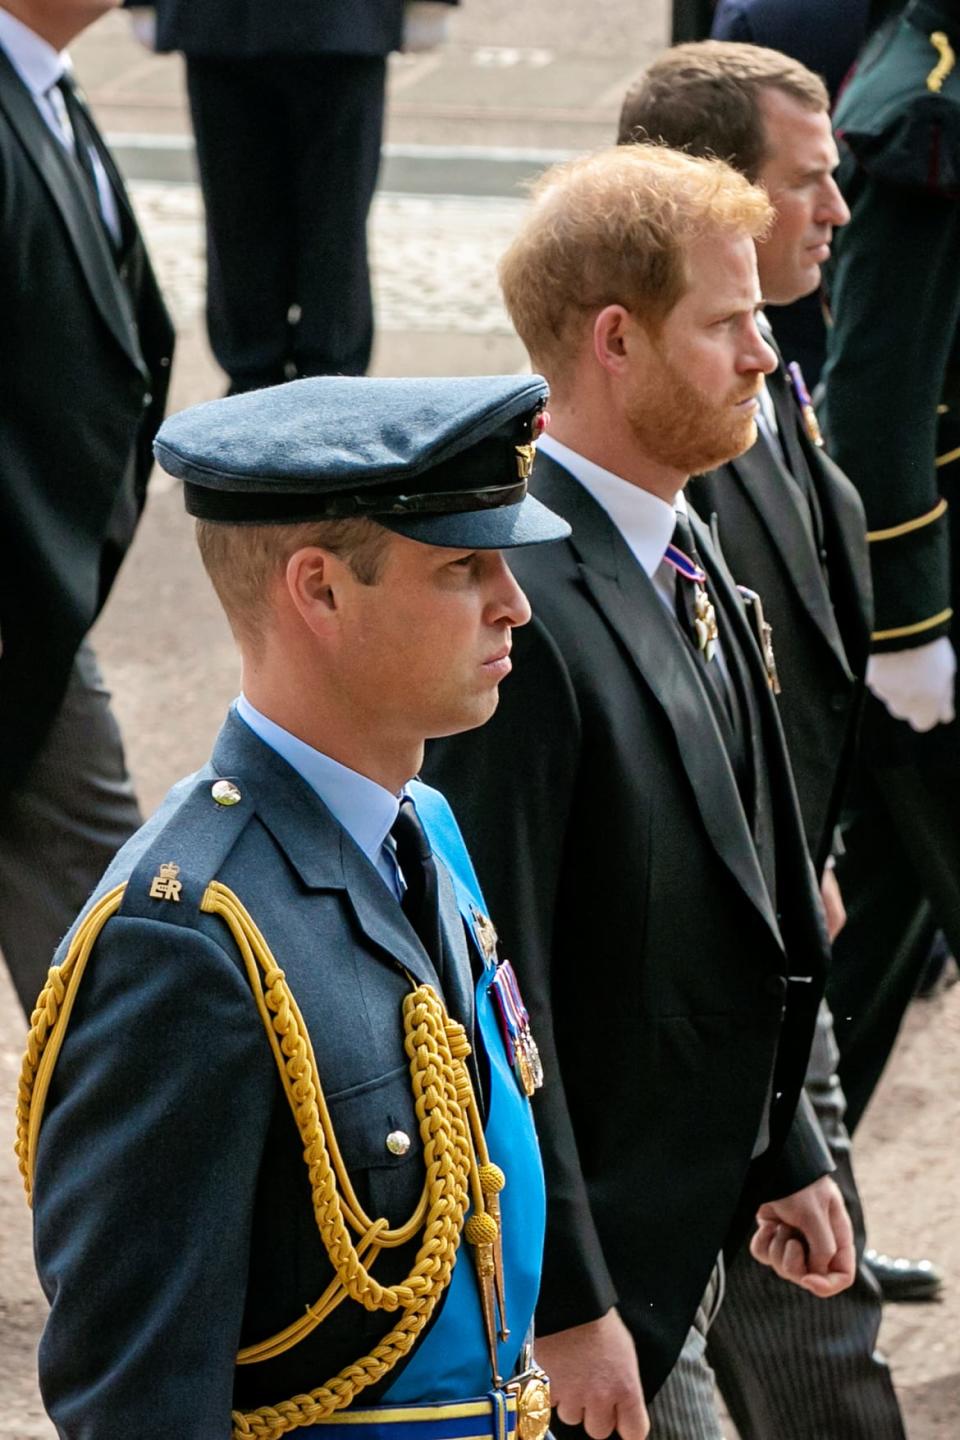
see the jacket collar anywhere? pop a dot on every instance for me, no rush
(315, 846)
(76, 207)
(778, 508)
(627, 599)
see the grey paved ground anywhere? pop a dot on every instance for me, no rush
(537, 76)
(527, 74)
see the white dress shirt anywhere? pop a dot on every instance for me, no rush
(645, 521)
(40, 66)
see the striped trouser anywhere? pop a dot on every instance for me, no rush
(685, 1407)
(790, 1366)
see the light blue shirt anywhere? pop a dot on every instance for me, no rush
(365, 809)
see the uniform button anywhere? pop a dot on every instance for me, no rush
(775, 985)
(147, 400)
(165, 362)
(398, 1142)
(225, 792)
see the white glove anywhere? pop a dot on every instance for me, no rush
(424, 25)
(143, 23)
(916, 685)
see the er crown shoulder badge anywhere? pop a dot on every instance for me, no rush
(165, 885)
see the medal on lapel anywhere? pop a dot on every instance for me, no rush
(810, 422)
(484, 930)
(515, 1021)
(705, 627)
(764, 632)
(705, 621)
(514, 1018)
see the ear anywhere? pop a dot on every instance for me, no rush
(614, 334)
(316, 583)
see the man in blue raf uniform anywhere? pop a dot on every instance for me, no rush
(275, 1113)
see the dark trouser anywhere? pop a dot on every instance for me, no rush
(691, 20)
(61, 827)
(900, 879)
(791, 1366)
(288, 149)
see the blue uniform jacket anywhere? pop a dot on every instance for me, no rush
(173, 1214)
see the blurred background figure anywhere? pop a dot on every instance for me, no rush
(84, 367)
(825, 37)
(287, 102)
(690, 20)
(892, 417)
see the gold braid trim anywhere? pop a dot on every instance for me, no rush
(901, 631)
(893, 532)
(454, 1155)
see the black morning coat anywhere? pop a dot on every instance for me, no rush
(812, 573)
(664, 982)
(84, 368)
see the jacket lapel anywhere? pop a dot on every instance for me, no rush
(76, 207)
(457, 973)
(626, 597)
(315, 845)
(779, 511)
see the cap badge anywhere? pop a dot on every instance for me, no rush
(165, 885)
(525, 457)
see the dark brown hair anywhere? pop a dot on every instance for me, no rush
(705, 98)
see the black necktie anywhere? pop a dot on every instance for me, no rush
(719, 687)
(81, 134)
(421, 899)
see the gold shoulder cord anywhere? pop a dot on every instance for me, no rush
(945, 65)
(457, 1165)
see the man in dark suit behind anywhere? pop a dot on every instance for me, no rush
(84, 367)
(287, 101)
(663, 917)
(792, 528)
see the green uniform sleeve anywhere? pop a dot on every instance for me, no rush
(895, 299)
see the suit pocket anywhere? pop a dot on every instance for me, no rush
(376, 1129)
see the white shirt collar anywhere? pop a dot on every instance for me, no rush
(365, 809)
(34, 59)
(645, 521)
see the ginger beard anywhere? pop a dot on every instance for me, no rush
(681, 426)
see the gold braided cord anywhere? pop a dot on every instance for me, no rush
(940, 41)
(455, 1157)
(48, 1025)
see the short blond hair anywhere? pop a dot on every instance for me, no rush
(614, 228)
(244, 561)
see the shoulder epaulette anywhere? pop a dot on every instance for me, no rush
(171, 875)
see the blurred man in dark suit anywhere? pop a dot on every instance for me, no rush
(84, 368)
(287, 103)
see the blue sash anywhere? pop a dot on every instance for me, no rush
(452, 1359)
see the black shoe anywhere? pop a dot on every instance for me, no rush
(904, 1279)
